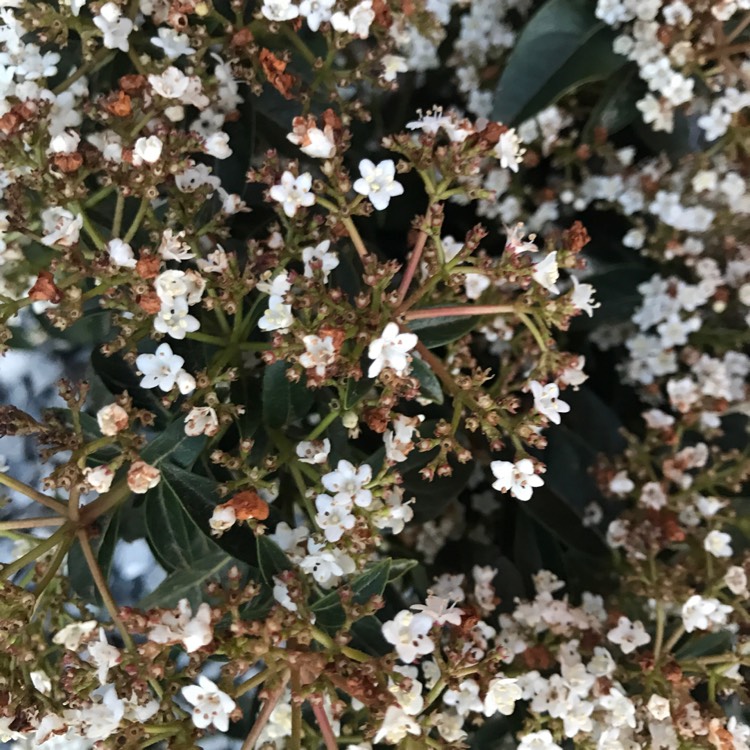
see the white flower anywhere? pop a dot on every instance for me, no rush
(519, 479)
(439, 610)
(546, 401)
(172, 284)
(392, 66)
(173, 43)
(201, 420)
(61, 227)
(142, 477)
(222, 519)
(348, 482)
(175, 320)
(658, 707)
(217, 145)
(475, 284)
(320, 258)
(114, 27)
(326, 566)
(399, 441)
(546, 273)
(147, 150)
(279, 10)
(193, 632)
(313, 451)
(318, 354)
(508, 150)
(628, 635)
(621, 484)
(112, 419)
(735, 580)
(357, 22)
(538, 741)
(408, 633)
(71, 635)
(718, 544)
(41, 681)
(99, 478)
(293, 192)
(160, 369)
(702, 614)
(172, 246)
(396, 725)
(281, 595)
(211, 705)
(334, 516)
(391, 350)
(466, 699)
(170, 84)
(278, 316)
(378, 183)
(121, 254)
(316, 12)
(103, 656)
(502, 694)
(582, 297)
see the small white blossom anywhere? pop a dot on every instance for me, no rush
(121, 254)
(293, 192)
(519, 479)
(319, 257)
(348, 482)
(114, 27)
(546, 401)
(409, 634)
(546, 273)
(702, 614)
(718, 543)
(313, 451)
(147, 149)
(210, 705)
(628, 635)
(164, 369)
(201, 420)
(182, 627)
(378, 183)
(391, 350)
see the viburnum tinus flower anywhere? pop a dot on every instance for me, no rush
(318, 354)
(201, 420)
(546, 273)
(378, 183)
(391, 350)
(508, 150)
(628, 635)
(113, 26)
(210, 705)
(192, 632)
(164, 369)
(546, 401)
(517, 478)
(718, 543)
(334, 516)
(702, 614)
(502, 695)
(408, 633)
(112, 418)
(349, 482)
(293, 192)
(121, 253)
(320, 257)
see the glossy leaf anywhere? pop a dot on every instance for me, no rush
(271, 559)
(548, 42)
(428, 381)
(186, 583)
(283, 402)
(175, 445)
(435, 332)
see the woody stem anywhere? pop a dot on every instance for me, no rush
(325, 726)
(411, 269)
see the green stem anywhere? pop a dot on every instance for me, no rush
(119, 208)
(529, 323)
(135, 226)
(321, 427)
(44, 545)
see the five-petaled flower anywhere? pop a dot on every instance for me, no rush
(378, 183)
(210, 705)
(517, 478)
(293, 192)
(391, 350)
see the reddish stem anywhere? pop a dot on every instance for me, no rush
(316, 701)
(448, 312)
(411, 269)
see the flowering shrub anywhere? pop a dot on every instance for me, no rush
(329, 355)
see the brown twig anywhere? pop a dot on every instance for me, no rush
(265, 714)
(31, 523)
(30, 492)
(465, 311)
(316, 701)
(411, 269)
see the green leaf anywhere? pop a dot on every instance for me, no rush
(186, 583)
(428, 381)
(434, 332)
(176, 540)
(705, 645)
(198, 496)
(271, 559)
(400, 568)
(368, 636)
(175, 445)
(283, 402)
(616, 108)
(103, 546)
(550, 56)
(330, 614)
(596, 61)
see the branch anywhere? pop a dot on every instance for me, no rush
(265, 714)
(411, 269)
(30, 492)
(326, 730)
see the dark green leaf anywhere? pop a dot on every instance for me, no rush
(175, 445)
(616, 106)
(271, 559)
(328, 610)
(198, 497)
(434, 332)
(596, 61)
(103, 546)
(368, 636)
(704, 645)
(186, 583)
(174, 537)
(428, 381)
(548, 42)
(283, 402)
(400, 568)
